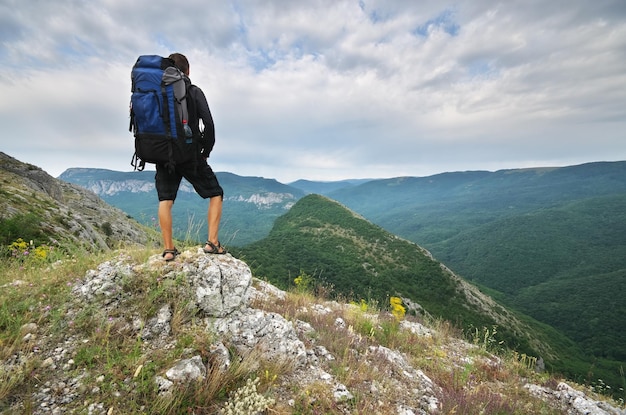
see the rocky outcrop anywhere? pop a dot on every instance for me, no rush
(268, 333)
(266, 200)
(573, 401)
(35, 178)
(218, 289)
(219, 297)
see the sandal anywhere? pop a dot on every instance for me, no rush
(214, 249)
(174, 252)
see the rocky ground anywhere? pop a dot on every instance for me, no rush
(239, 316)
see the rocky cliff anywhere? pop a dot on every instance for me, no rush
(252, 204)
(107, 183)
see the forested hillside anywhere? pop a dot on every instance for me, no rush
(549, 242)
(322, 240)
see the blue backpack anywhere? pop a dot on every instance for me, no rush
(159, 113)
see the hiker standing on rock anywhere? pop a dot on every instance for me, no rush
(197, 172)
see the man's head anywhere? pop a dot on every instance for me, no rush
(181, 62)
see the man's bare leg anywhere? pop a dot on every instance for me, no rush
(214, 216)
(165, 222)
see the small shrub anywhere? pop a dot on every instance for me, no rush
(247, 401)
(26, 226)
(362, 305)
(23, 251)
(397, 309)
(107, 229)
(304, 282)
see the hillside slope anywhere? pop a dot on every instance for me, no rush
(561, 261)
(326, 241)
(37, 207)
(550, 242)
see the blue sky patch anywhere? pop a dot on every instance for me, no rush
(375, 16)
(261, 59)
(444, 21)
(481, 68)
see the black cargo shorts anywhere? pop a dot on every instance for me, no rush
(200, 176)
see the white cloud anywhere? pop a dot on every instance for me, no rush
(326, 89)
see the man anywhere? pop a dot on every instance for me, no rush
(198, 173)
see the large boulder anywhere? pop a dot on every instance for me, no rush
(219, 283)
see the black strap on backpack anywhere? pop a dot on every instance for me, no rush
(137, 163)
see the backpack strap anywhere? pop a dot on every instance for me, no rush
(137, 163)
(173, 76)
(132, 120)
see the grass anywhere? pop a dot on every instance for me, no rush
(118, 370)
(478, 386)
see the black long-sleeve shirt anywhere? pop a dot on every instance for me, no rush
(198, 108)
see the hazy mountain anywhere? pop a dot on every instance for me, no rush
(251, 204)
(432, 209)
(324, 188)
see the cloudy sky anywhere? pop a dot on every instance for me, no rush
(327, 89)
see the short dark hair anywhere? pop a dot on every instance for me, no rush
(181, 62)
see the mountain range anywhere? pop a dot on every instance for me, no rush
(342, 253)
(251, 204)
(549, 242)
(137, 334)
